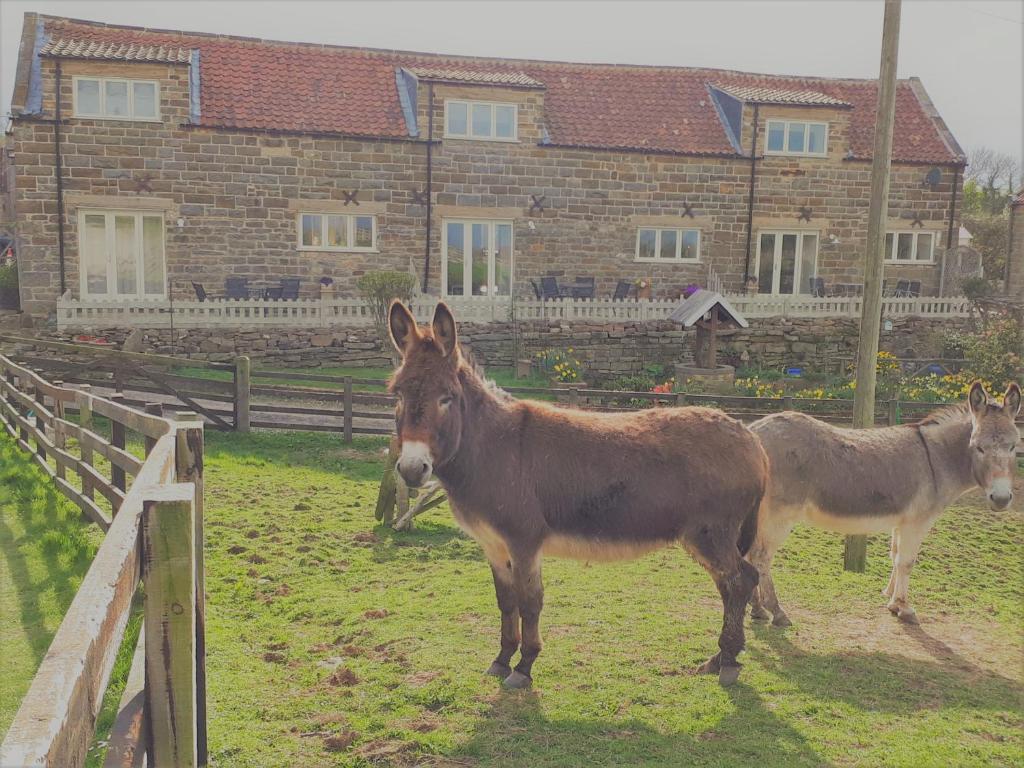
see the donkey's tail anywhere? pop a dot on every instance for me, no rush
(748, 529)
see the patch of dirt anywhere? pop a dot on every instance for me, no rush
(237, 550)
(385, 750)
(341, 742)
(252, 534)
(302, 507)
(366, 538)
(377, 613)
(331, 718)
(419, 679)
(343, 676)
(352, 650)
(274, 657)
(252, 573)
(277, 646)
(303, 548)
(425, 723)
(283, 591)
(257, 559)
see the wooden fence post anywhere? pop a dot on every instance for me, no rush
(787, 402)
(153, 409)
(117, 439)
(188, 460)
(85, 422)
(348, 409)
(58, 433)
(169, 618)
(574, 397)
(894, 412)
(243, 390)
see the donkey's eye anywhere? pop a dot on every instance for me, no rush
(445, 400)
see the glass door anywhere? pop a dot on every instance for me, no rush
(786, 262)
(121, 255)
(477, 258)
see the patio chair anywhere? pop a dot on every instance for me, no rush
(817, 286)
(289, 288)
(200, 291)
(236, 287)
(902, 289)
(550, 290)
(915, 289)
(622, 289)
(536, 289)
(584, 288)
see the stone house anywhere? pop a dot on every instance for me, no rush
(150, 159)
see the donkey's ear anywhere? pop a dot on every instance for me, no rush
(444, 329)
(977, 398)
(1011, 400)
(402, 326)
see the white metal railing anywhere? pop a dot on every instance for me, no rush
(332, 311)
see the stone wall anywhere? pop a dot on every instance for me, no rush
(606, 351)
(231, 200)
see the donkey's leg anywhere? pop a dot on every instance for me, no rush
(736, 580)
(529, 587)
(766, 602)
(911, 537)
(894, 548)
(509, 607)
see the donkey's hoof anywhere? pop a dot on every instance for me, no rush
(894, 608)
(908, 616)
(711, 666)
(758, 613)
(497, 669)
(781, 620)
(728, 675)
(517, 681)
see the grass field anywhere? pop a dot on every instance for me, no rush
(333, 642)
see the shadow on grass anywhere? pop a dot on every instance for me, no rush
(886, 682)
(428, 540)
(515, 730)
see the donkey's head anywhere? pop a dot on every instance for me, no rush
(994, 438)
(429, 413)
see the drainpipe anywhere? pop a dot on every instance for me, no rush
(59, 163)
(750, 200)
(949, 232)
(430, 174)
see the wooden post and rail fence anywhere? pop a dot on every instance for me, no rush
(154, 535)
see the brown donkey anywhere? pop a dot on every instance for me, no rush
(526, 479)
(874, 480)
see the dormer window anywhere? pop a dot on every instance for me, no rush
(797, 137)
(114, 98)
(480, 120)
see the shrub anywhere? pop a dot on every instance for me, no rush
(379, 289)
(994, 354)
(9, 278)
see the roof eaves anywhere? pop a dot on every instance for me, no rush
(730, 133)
(957, 152)
(406, 82)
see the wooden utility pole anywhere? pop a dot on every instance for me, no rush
(871, 313)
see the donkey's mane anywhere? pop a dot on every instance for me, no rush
(944, 415)
(476, 369)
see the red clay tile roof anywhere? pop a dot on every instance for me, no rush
(300, 87)
(462, 75)
(90, 49)
(756, 95)
(1018, 199)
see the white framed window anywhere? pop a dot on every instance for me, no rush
(655, 244)
(786, 263)
(913, 247)
(796, 137)
(115, 98)
(121, 254)
(481, 120)
(477, 258)
(337, 232)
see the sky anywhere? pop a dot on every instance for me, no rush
(967, 53)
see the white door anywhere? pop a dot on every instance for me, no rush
(121, 255)
(477, 258)
(786, 262)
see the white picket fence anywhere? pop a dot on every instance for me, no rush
(75, 314)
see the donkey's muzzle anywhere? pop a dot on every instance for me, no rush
(999, 501)
(414, 464)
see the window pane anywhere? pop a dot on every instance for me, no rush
(311, 230)
(816, 139)
(646, 248)
(455, 258)
(808, 254)
(505, 122)
(479, 260)
(796, 137)
(125, 255)
(482, 120)
(691, 244)
(668, 243)
(787, 264)
(503, 259)
(143, 99)
(766, 264)
(88, 97)
(153, 254)
(364, 231)
(457, 118)
(337, 231)
(924, 246)
(776, 133)
(117, 98)
(904, 246)
(887, 252)
(94, 254)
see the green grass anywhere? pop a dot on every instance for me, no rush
(324, 628)
(299, 582)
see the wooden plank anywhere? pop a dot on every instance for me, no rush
(321, 377)
(88, 506)
(102, 484)
(144, 424)
(118, 439)
(55, 723)
(348, 410)
(27, 401)
(159, 380)
(162, 361)
(129, 733)
(88, 439)
(168, 523)
(41, 384)
(243, 392)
